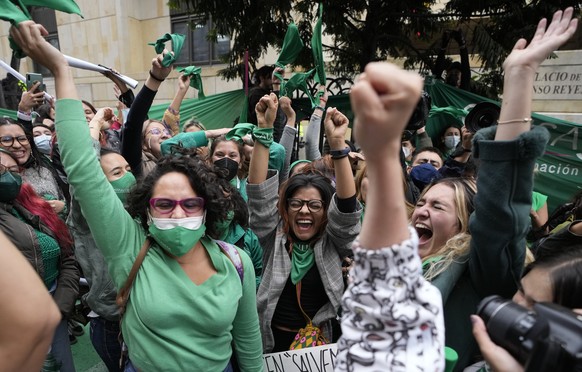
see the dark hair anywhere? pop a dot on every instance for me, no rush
(35, 159)
(265, 71)
(40, 125)
(90, 106)
(222, 138)
(193, 123)
(429, 149)
(44, 112)
(323, 166)
(106, 151)
(204, 179)
(300, 181)
(564, 265)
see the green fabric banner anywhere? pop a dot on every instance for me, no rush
(558, 172)
(8, 113)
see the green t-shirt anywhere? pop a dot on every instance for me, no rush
(171, 324)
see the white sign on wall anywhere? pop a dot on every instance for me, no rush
(312, 359)
(559, 78)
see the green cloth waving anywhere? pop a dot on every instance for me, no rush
(177, 42)
(195, 78)
(299, 82)
(292, 45)
(302, 259)
(14, 11)
(317, 51)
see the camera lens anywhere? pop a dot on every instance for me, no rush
(509, 325)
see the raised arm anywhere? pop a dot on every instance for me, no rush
(131, 145)
(505, 182)
(288, 137)
(313, 129)
(336, 126)
(266, 110)
(172, 114)
(387, 292)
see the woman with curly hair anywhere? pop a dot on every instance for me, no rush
(188, 304)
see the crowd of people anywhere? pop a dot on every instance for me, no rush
(205, 249)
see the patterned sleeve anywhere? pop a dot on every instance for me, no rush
(392, 317)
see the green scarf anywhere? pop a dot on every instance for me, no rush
(177, 43)
(195, 78)
(302, 259)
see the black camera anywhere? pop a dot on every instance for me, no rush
(482, 115)
(549, 338)
(420, 114)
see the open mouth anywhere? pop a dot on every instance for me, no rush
(304, 224)
(424, 233)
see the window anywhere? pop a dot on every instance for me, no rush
(47, 18)
(197, 49)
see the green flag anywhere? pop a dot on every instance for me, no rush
(177, 42)
(13, 13)
(317, 51)
(195, 78)
(292, 45)
(67, 6)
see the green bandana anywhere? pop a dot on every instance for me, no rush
(177, 42)
(299, 82)
(302, 259)
(292, 45)
(195, 78)
(15, 12)
(262, 135)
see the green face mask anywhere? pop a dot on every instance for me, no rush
(177, 235)
(222, 226)
(9, 186)
(123, 186)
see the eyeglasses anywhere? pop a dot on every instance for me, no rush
(4, 169)
(165, 206)
(158, 132)
(314, 205)
(9, 140)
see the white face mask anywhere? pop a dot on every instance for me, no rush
(452, 141)
(190, 223)
(43, 143)
(406, 151)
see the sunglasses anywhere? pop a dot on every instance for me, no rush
(165, 206)
(9, 140)
(314, 205)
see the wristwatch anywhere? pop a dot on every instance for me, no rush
(338, 154)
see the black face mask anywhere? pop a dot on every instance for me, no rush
(230, 165)
(9, 186)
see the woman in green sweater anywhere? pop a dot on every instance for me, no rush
(188, 303)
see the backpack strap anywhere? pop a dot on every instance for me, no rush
(123, 294)
(232, 253)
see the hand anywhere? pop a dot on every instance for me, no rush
(274, 79)
(285, 104)
(56, 205)
(266, 110)
(183, 82)
(30, 37)
(497, 357)
(31, 98)
(466, 138)
(544, 41)
(383, 100)
(459, 38)
(336, 125)
(102, 119)
(159, 71)
(119, 84)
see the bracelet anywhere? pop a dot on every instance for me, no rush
(155, 78)
(514, 121)
(340, 154)
(321, 108)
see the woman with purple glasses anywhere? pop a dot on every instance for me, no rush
(188, 304)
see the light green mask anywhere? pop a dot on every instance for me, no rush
(123, 186)
(177, 236)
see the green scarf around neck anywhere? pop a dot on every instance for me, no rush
(302, 259)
